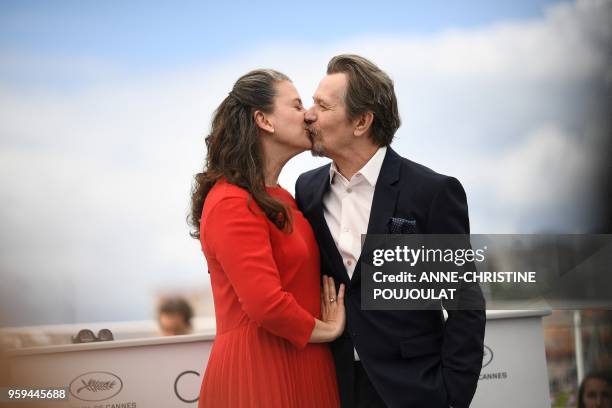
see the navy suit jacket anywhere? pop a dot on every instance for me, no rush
(413, 358)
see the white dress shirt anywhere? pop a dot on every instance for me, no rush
(347, 208)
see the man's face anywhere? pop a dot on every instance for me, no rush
(330, 129)
(172, 324)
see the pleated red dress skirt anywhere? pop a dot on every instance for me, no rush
(266, 289)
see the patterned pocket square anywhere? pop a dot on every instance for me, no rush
(401, 226)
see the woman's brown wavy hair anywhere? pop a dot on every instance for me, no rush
(234, 149)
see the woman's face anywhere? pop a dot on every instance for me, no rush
(597, 394)
(288, 118)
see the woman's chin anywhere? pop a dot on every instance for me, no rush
(303, 145)
(294, 149)
(302, 149)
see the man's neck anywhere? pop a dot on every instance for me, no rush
(350, 163)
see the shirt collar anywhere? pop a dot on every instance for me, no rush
(369, 171)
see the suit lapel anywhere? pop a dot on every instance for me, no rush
(383, 202)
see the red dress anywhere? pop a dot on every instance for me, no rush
(266, 288)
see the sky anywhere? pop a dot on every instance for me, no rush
(104, 107)
(145, 35)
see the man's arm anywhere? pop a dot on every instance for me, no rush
(462, 349)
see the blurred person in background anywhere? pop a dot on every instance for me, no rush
(595, 391)
(174, 317)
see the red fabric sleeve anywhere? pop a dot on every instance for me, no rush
(239, 238)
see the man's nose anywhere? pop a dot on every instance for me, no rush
(310, 116)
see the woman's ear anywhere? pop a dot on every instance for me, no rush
(363, 123)
(263, 121)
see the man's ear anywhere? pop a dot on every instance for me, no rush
(363, 123)
(262, 121)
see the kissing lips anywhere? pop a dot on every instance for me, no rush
(312, 133)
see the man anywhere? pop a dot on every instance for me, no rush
(174, 316)
(390, 358)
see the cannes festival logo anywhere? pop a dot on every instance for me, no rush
(96, 386)
(487, 356)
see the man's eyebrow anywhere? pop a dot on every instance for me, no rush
(298, 100)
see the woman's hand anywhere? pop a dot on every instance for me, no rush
(333, 314)
(332, 307)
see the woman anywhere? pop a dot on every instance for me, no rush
(595, 391)
(262, 257)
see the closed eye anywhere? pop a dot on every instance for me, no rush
(321, 103)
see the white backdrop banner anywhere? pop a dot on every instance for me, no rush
(167, 372)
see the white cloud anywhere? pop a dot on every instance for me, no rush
(96, 179)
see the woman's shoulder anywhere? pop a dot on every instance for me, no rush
(223, 190)
(227, 197)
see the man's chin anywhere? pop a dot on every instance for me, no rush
(317, 150)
